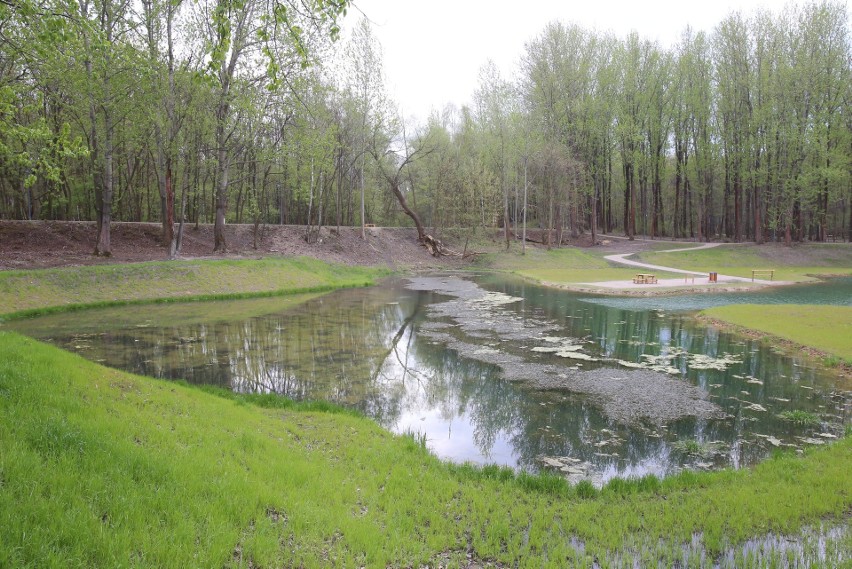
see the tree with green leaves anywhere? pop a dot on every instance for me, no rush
(237, 33)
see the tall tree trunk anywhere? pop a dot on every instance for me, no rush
(676, 226)
(737, 207)
(103, 247)
(338, 211)
(608, 189)
(220, 244)
(363, 207)
(629, 202)
(758, 206)
(593, 225)
(632, 213)
(657, 229)
(524, 233)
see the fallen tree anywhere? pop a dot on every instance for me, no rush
(393, 175)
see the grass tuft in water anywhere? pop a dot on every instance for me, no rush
(801, 418)
(416, 438)
(832, 361)
(695, 448)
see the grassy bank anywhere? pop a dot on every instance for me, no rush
(826, 328)
(800, 263)
(47, 290)
(99, 468)
(560, 266)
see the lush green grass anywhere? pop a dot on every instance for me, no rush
(99, 468)
(826, 328)
(46, 290)
(574, 258)
(790, 264)
(802, 418)
(559, 266)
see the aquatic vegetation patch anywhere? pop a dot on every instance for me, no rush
(702, 361)
(575, 470)
(564, 348)
(698, 448)
(494, 299)
(801, 418)
(664, 362)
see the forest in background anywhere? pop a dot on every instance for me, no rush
(254, 111)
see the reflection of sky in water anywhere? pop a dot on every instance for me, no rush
(364, 348)
(454, 438)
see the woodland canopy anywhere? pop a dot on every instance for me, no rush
(253, 111)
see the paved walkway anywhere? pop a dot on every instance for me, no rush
(691, 278)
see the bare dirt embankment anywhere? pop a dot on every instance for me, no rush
(41, 244)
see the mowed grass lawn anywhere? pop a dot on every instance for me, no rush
(564, 265)
(827, 328)
(798, 263)
(100, 468)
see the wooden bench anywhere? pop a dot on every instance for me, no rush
(830, 237)
(755, 272)
(645, 278)
(369, 225)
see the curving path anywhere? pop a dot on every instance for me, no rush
(623, 260)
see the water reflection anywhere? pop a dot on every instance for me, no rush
(369, 349)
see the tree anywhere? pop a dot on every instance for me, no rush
(238, 30)
(159, 18)
(368, 103)
(494, 99)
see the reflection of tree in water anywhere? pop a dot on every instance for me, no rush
(574, 427)
(461, 386)
(363, 348)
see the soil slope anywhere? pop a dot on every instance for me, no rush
(40, 244)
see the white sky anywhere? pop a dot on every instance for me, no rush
(434, 49)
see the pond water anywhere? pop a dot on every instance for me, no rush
(492, 370)
(836, 291)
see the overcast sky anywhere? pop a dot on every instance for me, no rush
(433, 50)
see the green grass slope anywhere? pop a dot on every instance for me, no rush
(827, 328)
(39, 291)
(561, 266)
(99, 468)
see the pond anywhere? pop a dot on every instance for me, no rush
(494, 370)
